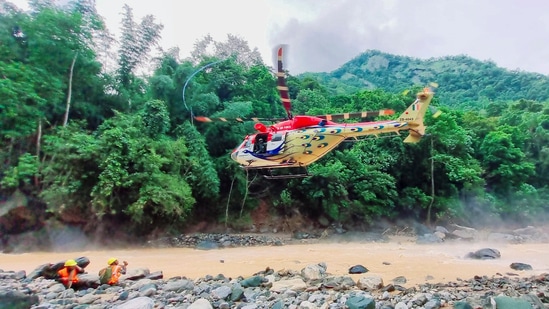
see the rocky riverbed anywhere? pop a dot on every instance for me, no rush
(311, 286)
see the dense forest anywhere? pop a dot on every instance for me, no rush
(95, 128)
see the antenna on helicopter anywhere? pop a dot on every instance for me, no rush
(189, 79)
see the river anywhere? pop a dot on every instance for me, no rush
(401, 256)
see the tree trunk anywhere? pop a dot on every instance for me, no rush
(432, 186)
(66, 119)
(38, 144)
(228, 200)
(248, 184)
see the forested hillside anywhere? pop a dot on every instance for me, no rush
(92, 142)
(464, 82)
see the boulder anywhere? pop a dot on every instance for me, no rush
(17, 300)
(484, 254)
(360, 302)
(358, 269)
(520, 266)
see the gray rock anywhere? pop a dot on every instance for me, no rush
(89, 280)
(360, 302)
(370, 283)
(430, 238)
(253, 281)
(441, 229)
(465, 233)
(250, 295)
(207, 245)
(529, 230)
(155, 275)
(534, 300)
(179, 285)
(57, 288)
(485, 254)
(278, 305)
(17, 300)
(461, 305)
(358, 269)
(401, 305)
(88, 299)
(148, 290)
(314, 272)
(124, 295)
(399, 280)
(433, 304)
(506, 302)
(237, 293)
(221, 292)
(520, 266)
(295, 284)
(137, 303)
(135, 274)
(201, 304)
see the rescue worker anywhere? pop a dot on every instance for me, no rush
(116, 270)
(68, 275)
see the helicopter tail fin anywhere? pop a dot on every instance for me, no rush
(414, 115)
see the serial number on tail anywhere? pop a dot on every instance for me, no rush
(405, 119)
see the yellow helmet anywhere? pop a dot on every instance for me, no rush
(111, 261)
(70, 263)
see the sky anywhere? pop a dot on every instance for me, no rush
(324, 34)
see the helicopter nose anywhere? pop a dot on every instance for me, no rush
(234, 154)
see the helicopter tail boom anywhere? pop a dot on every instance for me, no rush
(414, 115)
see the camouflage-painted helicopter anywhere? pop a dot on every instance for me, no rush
(301, 140)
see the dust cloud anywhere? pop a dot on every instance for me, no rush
(400, 256)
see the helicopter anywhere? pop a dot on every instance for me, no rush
(298, 141)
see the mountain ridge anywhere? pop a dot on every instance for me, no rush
(463, 80)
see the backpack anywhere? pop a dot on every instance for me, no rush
(105, 275)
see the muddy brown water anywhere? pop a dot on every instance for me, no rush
(401, 256)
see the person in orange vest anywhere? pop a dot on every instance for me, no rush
(117, 270)
(68, 275)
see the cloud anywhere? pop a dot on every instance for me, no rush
(324, 34)
(511, 33)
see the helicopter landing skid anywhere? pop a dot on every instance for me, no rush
(302, 174)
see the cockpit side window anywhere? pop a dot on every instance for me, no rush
(276, 138)
(260, 145)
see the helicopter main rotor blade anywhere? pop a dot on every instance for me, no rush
(237, 119)
(281, 82)
(344, 116)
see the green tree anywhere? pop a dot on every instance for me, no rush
(504, 162)
(135, 44)
(155, 117)
(70, 170)
(202, 175)
(142, 178)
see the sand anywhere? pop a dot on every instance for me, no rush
(401, 256)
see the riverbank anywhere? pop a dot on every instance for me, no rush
(308, 273)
